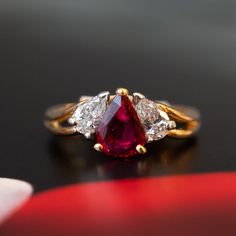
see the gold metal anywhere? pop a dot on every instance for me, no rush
(141, 149)
(56, 116)
(187, 120)
(98, 147)
(184, 120)
(122, 92)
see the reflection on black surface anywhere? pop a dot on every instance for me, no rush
(75, 158)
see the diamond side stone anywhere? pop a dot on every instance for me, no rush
(88, 115)
(155, 121)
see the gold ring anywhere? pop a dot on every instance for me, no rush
(123, 123)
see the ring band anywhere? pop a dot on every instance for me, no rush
(122, 123)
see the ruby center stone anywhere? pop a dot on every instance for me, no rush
(120, 129)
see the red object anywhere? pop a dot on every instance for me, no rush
(120, 129)
(179, 205)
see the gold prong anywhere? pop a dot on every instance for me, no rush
(98, 147)
(122, 92)
(141, 149)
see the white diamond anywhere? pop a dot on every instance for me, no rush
(88, 115)
(155, 121)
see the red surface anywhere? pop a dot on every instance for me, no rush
(120, 129)
(180, 205)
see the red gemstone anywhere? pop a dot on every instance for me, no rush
(120, 129)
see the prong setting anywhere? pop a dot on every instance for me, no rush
(137, 97)
(72, 121)
(98, 147)
(105, 95)
(122, 92)
(141, 149)
(88, 135)
(171, 125)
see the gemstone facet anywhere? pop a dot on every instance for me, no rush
(88, 115)
(120, 129)
(155, 120)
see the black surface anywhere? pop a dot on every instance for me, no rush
(54, 51)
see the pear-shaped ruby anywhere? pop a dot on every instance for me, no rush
(120, 129)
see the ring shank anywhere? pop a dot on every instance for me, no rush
(187, 120)
(57, 116)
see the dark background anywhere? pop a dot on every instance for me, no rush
(54, 51)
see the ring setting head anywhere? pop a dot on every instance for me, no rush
(123, 124)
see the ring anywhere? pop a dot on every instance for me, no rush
(122, 123)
